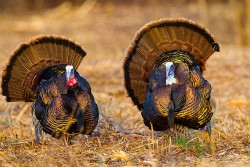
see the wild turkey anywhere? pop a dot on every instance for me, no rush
(43, 71)
(163, 74)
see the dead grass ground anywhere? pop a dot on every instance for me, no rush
(104, 30)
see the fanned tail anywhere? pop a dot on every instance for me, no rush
(156, 38)
(29, 61)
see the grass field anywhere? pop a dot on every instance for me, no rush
(104, 30)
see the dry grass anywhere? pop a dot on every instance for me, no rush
(104, 30)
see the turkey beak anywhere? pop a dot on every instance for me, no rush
(69, 72)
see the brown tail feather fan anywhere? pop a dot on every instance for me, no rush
(157, 38)
(28, 61)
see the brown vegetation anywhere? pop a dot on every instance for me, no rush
(104, 29)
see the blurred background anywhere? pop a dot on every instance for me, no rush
(228, 19)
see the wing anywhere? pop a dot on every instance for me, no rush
(159, 109)
(192, 106)
(196, 111)
(198, 82)
(87, 114)
(49, 89)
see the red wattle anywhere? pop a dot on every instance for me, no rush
(71, 82)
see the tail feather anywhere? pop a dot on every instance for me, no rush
(157, 38)
(29, 60)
